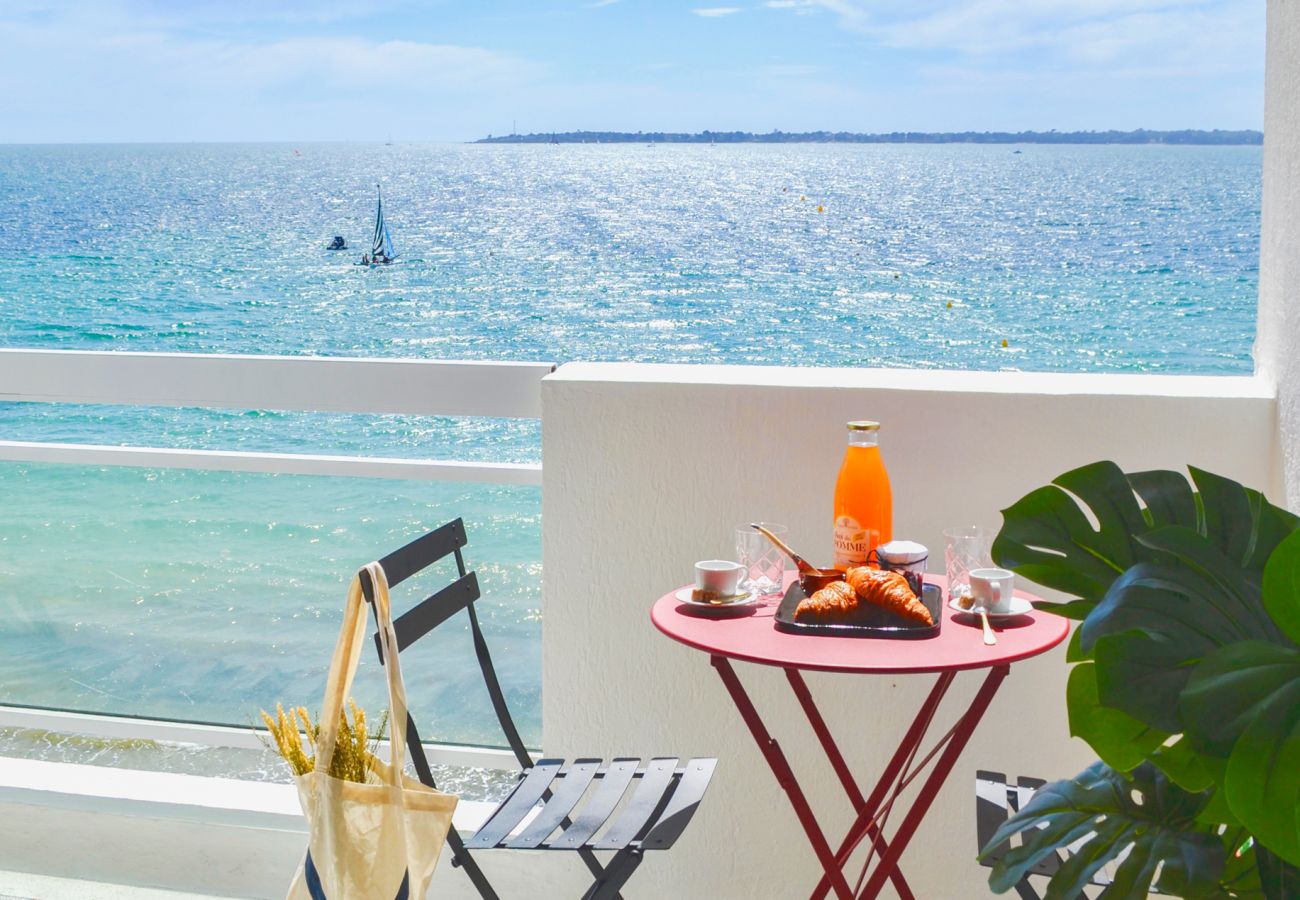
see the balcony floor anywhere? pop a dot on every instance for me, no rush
(24, 886)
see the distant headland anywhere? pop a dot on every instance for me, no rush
(1141, 136)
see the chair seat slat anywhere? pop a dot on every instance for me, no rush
(613, 784)
(510, 813)
(571, 786)
(681, 807)
(657, 779)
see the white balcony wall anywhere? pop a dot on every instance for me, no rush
(1277, 351)
(648, 468)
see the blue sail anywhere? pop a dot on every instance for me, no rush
(390, 251)
(381, 244)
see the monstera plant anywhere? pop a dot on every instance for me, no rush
(1185, 681)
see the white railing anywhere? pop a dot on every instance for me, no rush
(282, 383)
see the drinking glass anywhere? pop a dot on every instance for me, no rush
(764, 564)
(965, 549)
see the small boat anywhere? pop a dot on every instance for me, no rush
(338, 243)
(382, 252)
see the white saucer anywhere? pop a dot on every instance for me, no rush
(747, 599)
(1019, 606)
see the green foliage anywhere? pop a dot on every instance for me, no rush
(1187, 657)
(1119, 739)
(1111, 812)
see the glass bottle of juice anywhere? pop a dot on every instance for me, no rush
(864, 509)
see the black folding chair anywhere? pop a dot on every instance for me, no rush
(653, 816)
(995, 801)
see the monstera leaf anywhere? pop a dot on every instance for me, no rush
(1158, 621)
(1189, 652)
(1048, 537)
(1120, 740)
(1191, 647)
(1109, 812)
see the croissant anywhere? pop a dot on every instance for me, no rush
(888, 590)
(836, 602)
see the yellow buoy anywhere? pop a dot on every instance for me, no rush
(950, 304)
(803, 196)
(821, 208)
(1004, 342)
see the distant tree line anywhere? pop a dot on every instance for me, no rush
(1141, 136)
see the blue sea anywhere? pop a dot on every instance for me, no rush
(206, 596)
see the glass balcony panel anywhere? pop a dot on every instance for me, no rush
(206, 596)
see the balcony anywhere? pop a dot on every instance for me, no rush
(646, 469)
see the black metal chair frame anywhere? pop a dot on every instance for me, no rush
(654, 817)
(995, 800)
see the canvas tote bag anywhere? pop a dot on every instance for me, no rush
(379, 840)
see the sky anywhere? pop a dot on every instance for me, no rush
(456, 70)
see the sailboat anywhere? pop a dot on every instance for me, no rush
(382, 251)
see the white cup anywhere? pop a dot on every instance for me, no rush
(719, 576)
(993, 589)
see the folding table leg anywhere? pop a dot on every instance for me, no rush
(865, 823)
(930, 789)
(784, 776)
(823, 733)
(866, 809)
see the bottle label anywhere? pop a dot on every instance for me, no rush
(852, 542)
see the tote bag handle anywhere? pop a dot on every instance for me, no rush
(343, 668)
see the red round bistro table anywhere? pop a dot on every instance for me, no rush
(958, 646)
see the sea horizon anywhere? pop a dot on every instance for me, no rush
(776, 136)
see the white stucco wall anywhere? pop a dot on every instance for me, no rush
(1277, 351)
(648, 468)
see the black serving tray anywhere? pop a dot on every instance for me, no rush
(878, 623)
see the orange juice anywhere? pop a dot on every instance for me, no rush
(864, 510)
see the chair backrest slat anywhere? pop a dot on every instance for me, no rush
(431, 612)
(404, 562)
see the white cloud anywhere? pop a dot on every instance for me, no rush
(716, 12)
(225, 89)
(597, 4)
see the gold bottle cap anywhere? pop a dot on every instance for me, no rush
(864, 426)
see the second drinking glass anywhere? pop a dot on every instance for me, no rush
(965, 549)
(764, 564)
